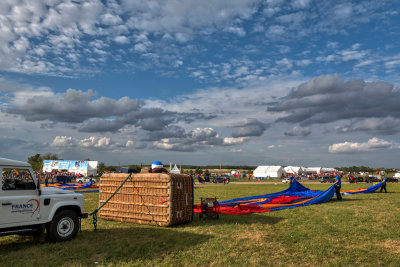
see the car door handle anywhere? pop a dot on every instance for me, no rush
(6, 204)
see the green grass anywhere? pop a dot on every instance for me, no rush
(361, 230)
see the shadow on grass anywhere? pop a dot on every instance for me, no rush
(252, 218)
(111, 246)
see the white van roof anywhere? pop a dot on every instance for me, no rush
(15, 163)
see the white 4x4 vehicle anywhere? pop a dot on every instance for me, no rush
(82, 180)
(27, 208)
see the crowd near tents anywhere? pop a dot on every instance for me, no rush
(294, 170)
(86, 168)
(266, 172)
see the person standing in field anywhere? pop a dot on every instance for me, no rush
(383, 186)
(338, 185)
(291, 180)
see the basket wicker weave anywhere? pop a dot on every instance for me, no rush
(147, 198)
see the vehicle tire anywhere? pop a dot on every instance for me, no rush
(80, 182)
(200, 216)
(64, 226)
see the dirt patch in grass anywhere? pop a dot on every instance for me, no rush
(391, 246)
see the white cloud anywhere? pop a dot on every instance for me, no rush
(94, 142)
(234, 140)
(300, 3)
(276, 31)
(237, 30)
(63, 141)
(22, 97)
(121, 39)
(109, 19)
(91, 143)
(372, 144)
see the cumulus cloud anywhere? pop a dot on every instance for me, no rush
(91, 143)
(372, 144)
(328, 98)
(298, 131)
(95, 114)
(199, 138)
(385, 126)
(251, 127)
(171, 131)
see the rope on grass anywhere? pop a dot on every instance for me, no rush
(94, 213)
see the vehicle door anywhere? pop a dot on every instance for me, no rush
(19, 196)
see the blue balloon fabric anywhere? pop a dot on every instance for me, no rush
(296, 195)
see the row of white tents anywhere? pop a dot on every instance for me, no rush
(264, 172)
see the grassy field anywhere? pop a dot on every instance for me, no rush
(361, 230)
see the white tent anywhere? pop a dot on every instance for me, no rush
(397, 175)
(92, 168)
(294, 170)
(175, 170)
(269, 172)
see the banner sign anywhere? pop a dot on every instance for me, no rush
(77, 166)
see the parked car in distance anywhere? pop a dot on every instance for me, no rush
(85, 180)
(221, 179)
(356, 179)
(285, 180)
(392, 180)
(372, 179)
(327, 179)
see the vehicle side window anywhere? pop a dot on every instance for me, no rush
(17, 179)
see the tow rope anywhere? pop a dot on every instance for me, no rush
(94, 213)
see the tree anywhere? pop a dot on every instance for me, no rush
(36, 161)
(101, 167)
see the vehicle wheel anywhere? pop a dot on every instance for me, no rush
(80, 182)
(200, 216)
(64, 226)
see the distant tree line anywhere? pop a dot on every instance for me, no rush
(36, 162)
(364, 169)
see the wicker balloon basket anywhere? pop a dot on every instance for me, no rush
(147, 198)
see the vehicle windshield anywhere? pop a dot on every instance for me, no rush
(17, 179)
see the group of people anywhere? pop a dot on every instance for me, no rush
(46, 177)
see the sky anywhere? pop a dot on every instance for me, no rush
(238, 82)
